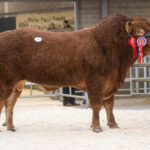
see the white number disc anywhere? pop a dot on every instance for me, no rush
(38, 39)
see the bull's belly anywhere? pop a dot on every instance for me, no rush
(51, 87)
(51, 83)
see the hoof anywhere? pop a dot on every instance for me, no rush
(12, 129)
(4, 124)
(97, 130)
(113, 126)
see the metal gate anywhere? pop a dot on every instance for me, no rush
(137, 82)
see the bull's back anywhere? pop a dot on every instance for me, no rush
(43, 56)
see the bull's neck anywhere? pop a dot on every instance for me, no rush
(115, 48)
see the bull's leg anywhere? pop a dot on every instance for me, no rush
(96, 100)
(4, 124)
(109, 104)
(2, 103)
(95, 118)
(10, 103)
(9, 106)
(4, 94)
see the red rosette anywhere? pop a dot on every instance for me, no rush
(132, 41)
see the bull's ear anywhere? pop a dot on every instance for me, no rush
(128, 26)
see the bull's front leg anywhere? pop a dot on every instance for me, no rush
(95, 94)
(95, 118)
(109, 104)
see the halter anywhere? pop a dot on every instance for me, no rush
(147, 34)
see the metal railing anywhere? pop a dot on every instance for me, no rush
(138, 79)
(31, 94)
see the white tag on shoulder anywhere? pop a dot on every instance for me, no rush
(38, 39)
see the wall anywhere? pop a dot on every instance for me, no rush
(89, 12)
(21, 7)
(129, 7)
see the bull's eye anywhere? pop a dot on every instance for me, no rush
(140, 32)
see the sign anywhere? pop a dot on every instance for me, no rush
(42, 21)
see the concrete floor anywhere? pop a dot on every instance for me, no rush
(44, 124)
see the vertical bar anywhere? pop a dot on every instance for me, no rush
(149, 77)
(131, 83)
(55, 93)
(61, 92)
(70, 91)
(6, 8)
(77, 15)
(87, 100)
(104, 8)
(145, 72)
(31, 90)
(137, 76)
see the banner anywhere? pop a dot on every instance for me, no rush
(42, 21)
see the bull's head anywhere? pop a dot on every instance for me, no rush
(139, 27)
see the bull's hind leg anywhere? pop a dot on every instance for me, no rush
(2, 103)
(10, 103)
(5, 92)
(109, 104)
